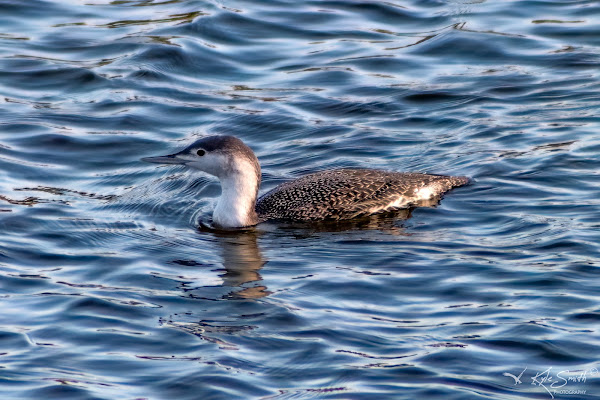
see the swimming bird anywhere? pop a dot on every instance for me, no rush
(337, 194)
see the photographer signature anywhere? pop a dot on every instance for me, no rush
(555, 383)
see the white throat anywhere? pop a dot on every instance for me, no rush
(235, 207)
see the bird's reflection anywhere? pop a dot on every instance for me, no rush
(242, 260)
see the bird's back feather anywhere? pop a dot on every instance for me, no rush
(348, 193)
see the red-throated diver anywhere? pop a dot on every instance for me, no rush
(337, 194)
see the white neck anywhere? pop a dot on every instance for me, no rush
(235, 207)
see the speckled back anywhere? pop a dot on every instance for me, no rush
(347, 193)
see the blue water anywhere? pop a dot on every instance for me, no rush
(108, 290)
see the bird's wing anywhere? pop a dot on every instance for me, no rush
(347, 193)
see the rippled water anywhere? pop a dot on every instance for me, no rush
(110, 291)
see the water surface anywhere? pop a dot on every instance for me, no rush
(109, 289)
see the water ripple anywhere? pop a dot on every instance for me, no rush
(116, 285)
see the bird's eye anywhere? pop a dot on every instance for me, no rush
(201, 152)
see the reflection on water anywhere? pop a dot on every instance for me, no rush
(242, 261)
